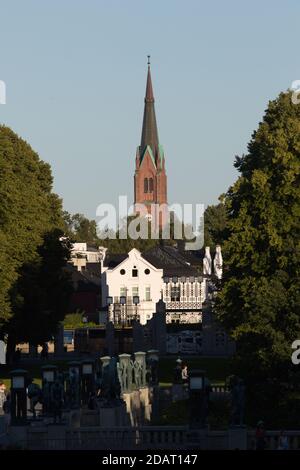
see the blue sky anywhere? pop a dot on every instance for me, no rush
(75, 73)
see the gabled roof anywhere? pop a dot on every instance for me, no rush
(88, 279)
(171, 261)
(168, 258)
(112, 260)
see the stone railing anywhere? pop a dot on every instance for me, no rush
(145, 437)
(117, 438)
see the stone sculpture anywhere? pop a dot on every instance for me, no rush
(218, 262)
(207, 262)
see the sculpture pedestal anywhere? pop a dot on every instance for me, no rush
(145, 405)
(178, 392)
(237, 438)
(138, 406)
(113, 416)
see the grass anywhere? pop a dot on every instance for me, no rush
(217, 368)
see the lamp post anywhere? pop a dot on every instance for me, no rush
(198, 399)
(152, 359)
(49, 374)
(109, 302)
(18, 396)
(74, 383)
(87, 378)
(136, 301)
(123, 301)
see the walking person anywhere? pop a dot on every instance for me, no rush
(283, 442)
(260, 435)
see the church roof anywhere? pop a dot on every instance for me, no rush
(149, 130)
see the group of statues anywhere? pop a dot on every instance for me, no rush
(125, 375)
(64, 392)
(108, 380)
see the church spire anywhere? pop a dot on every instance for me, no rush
(149, 131)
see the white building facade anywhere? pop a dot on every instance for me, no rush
(131, 289)
(81, 254)
(132, 285)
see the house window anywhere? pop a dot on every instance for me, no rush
(175, 294)
(145, 185)
(122, 272)
(150, 185)
(148, 293)
(134, 272)
(135, 291)
(147, 271)
(123, 291)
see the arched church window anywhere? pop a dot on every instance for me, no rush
(145, 185)
(150, 185)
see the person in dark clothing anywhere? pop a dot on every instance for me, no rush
(260, 435)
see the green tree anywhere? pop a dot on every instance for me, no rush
(40, 297)
(80, 229)
(29, 210)
(215, 224)
(259, 303)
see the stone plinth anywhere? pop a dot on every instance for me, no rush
(145, 405)
(138, 406)
(237, 438)
(113, 416)
(90, 418)
(178, 392)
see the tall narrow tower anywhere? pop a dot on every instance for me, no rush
(150, 179)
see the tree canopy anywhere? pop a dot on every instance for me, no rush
(30, 221)
(215, 224)
(259, 303)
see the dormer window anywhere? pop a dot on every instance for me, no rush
(134, 272)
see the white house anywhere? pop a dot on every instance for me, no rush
(82, 253)
(131, 286)
(133, 283)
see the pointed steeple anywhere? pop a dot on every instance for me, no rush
(149, 131)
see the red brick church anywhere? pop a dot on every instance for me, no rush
(150, 179)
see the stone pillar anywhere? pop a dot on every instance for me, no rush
(158, 326)
(2, 352)
(59, 341)
(138, 337)
(153, 362)
(237, 438)
(110, 339)
(33, 351)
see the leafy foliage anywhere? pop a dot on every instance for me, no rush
(215, 224)
(31, 255)
(260, 299)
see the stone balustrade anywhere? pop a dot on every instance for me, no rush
(144, 437)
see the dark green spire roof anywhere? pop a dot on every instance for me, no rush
(149, 131)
